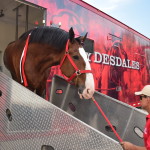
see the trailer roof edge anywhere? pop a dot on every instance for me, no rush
(110, 18)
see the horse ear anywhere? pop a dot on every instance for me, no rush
(71, 34)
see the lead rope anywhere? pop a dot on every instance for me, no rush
(107, 120)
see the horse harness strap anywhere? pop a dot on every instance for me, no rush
(77, 71)
(22, 62)
(23, 58)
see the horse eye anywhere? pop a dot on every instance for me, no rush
(76, 57)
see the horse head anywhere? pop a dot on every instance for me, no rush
(30, 58)
(76, 66)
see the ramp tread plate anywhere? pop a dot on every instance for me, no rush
(36, 122)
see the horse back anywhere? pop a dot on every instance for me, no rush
(11, 57)
(7, 55)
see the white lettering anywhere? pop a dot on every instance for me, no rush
(98, 55)
(118, 61)
(88, 56)
(124, 63)
(128, 64)
(105, 59)
(113, 60)
(138, 65)
(133, 64)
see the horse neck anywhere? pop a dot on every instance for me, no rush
(47, 56)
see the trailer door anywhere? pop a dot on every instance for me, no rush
(16, 17)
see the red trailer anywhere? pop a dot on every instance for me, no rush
(118, 54)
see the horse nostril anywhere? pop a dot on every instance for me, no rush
(80, 90)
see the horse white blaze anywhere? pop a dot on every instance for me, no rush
(89, 81)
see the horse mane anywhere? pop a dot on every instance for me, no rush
(47, 35)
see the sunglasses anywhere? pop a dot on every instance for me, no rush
(143, 96)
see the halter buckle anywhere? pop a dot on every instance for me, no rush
(66, 52)
(78, 72)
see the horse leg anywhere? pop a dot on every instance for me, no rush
(41, 91)
(14, 77)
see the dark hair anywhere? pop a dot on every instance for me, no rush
(48, 35)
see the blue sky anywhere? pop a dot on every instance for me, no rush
(134, 13)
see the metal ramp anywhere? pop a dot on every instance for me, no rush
(128, 121)
(28, 122)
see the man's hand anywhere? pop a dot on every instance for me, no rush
(130, 146)
(127, 146)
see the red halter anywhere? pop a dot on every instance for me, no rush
(77, 71)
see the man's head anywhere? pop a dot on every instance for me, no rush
(144, 91)
(145, 97)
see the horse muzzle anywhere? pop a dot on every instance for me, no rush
(85, 93)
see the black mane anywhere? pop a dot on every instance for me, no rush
(48, 35)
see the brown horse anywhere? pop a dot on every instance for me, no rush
(46, 47)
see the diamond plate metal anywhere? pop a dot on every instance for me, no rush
(35, 122)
